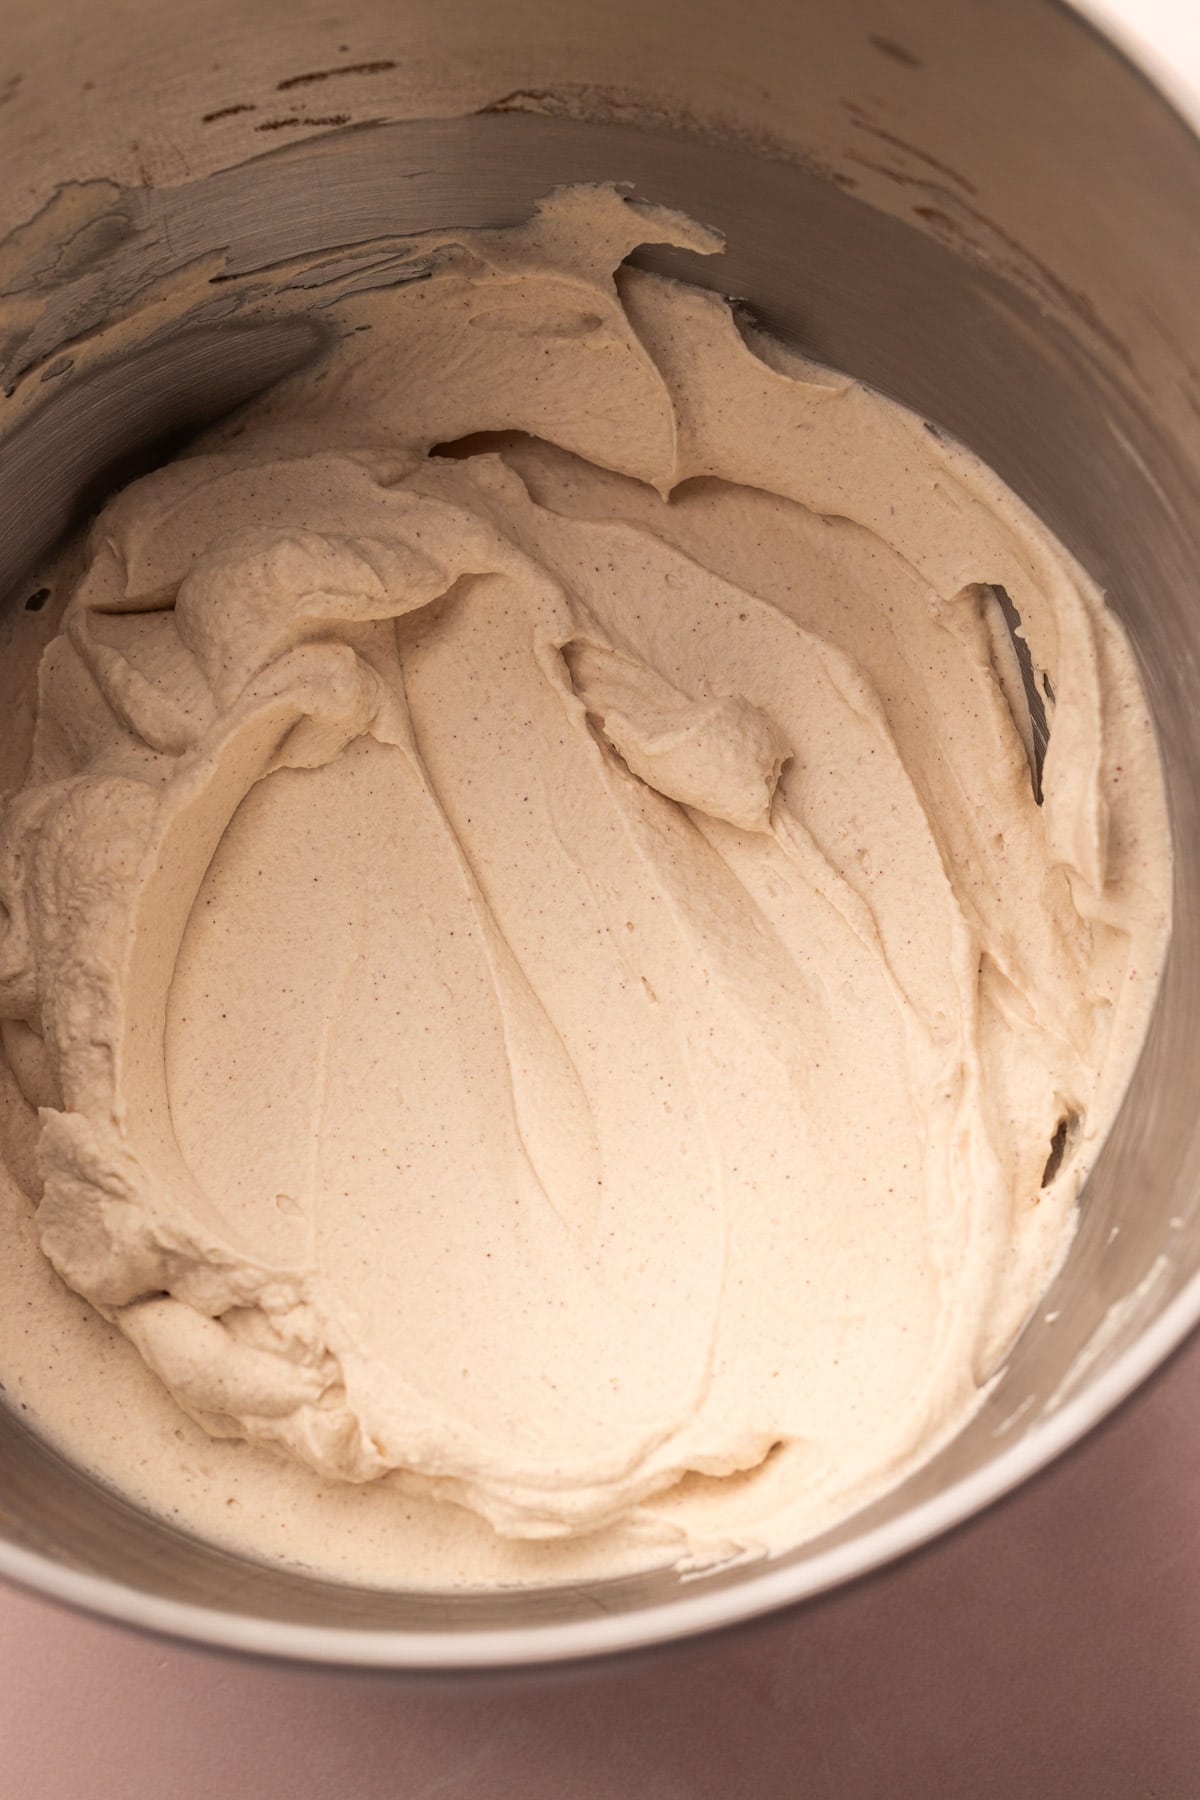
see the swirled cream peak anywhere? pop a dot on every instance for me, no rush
(541, 961)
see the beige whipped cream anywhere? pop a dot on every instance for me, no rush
(547, 983)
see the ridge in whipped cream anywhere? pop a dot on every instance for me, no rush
(547, 978)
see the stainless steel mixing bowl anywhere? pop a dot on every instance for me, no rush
(980, 207)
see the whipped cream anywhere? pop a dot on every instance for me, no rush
(548, 964)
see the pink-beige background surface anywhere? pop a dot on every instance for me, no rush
(1051, 1648)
